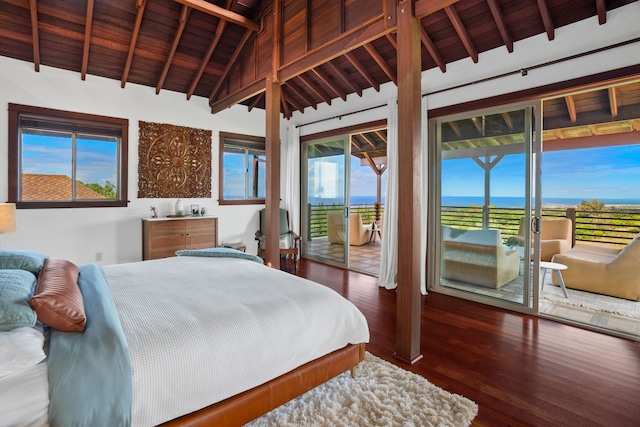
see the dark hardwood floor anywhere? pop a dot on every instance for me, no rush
(521, 370)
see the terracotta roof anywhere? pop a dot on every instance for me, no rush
(53, 187)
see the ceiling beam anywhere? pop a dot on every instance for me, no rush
(602, 11)
(207, 58)
(428, 7)
(381, 63)
(609, 140)
(87, 40)
(613, 101)
(255, 101)
(367, 140)
(455, 128)
(462, 32)
(222, 13)
(285, 106)
(230, 65)
(392, 40)
(382, 136)
(508, 120)
(140, 4)
(33, 9)
(291, 100)
(477, 122)
(362, 70)
(327, 81)
(341, 44)
(239, 96)
(182, 22)
(340, 73)
(571, 108)
(315, 88)
(546, 19)
(502, 26)
(432, 49)
(300, 94)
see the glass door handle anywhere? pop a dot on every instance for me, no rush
(535, 225)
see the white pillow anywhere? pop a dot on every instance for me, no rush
(20, 349)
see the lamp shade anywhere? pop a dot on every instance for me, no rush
(7, 217)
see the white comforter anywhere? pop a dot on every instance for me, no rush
(203, 329)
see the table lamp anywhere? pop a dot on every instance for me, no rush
(7, 218)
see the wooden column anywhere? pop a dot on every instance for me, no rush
(273, 93)
(272, 201)
(409, 116)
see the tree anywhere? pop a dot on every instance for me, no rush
(592, 206)
(108, 190)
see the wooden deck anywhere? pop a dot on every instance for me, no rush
(521, 370)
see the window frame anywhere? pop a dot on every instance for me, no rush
(250, 141)
(71, 118)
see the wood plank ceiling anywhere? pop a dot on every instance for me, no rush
(327, 49)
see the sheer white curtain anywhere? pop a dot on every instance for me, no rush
(424, 193)
(389, 250)
(291, 196)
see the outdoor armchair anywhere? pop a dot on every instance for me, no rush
(555, 237)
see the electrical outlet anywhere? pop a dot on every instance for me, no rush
(98, 256)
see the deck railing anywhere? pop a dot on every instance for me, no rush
(615, 227)
(611, 227)
(318, 221)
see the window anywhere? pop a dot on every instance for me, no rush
(242, 169)
(61, 159)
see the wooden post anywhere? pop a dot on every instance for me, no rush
(273, 92)
(272, 200)
(409, 117)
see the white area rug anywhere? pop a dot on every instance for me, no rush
(591, 301)
(381, 395)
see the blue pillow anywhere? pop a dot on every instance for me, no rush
(17, 259)
(16, 288)
(219, 253)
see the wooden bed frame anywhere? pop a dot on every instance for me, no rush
(249, 405)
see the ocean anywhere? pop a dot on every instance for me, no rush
(498, 202)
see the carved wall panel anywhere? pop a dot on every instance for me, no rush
(173, 161)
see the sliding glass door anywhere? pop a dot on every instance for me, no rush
(325, 206)
(486, 170)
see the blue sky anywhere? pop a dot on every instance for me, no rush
(591, 173)
(96, 160)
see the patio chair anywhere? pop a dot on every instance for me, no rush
(603, 269)
(289, 242)
(555, 237)
(358, 233)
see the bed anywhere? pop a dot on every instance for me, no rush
(207, 338)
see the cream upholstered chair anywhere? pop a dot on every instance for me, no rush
(335, 227)
(603, 269)
(358, 233)
(555, 237)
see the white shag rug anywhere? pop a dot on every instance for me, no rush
(382, 394)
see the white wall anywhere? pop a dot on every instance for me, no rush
(78, 234)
